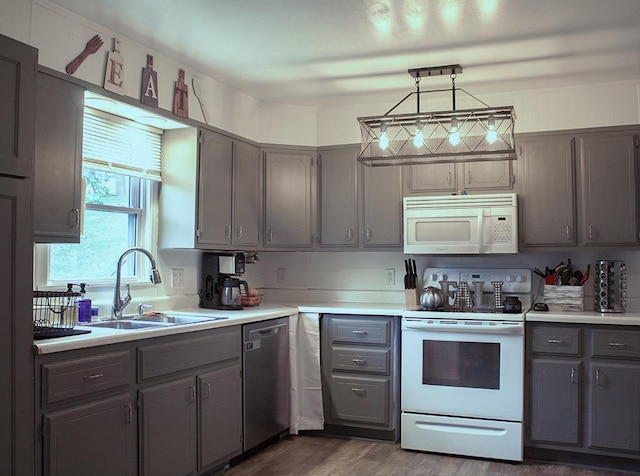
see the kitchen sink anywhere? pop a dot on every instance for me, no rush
(150, 321)
(177, 319)
(127, 324)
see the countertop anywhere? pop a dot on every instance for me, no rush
(586, 317)
(101, 336)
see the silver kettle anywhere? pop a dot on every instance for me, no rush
(431, 298)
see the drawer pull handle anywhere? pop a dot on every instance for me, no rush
(555, 341)
(361, 362)
(207, 390)
(359, 391)
(617, 344)
(192, 394)
(128, 413)
(360, 333)
(573, 374)
(93, 377)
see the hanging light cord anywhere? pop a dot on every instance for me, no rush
(453, 90)
(418, 93)
(193, 86)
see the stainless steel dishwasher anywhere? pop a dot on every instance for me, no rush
(265, 363)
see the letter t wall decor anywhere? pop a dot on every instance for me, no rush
(149, 90)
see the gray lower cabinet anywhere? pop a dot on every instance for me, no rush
(58, 164)
(382, 203)
(360, 372)
(97, 438)
(583, 393)
(162, 406)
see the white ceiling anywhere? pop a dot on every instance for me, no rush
(325, 52)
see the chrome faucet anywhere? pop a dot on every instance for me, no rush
(120, 302)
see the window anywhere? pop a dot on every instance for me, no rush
(121, 173)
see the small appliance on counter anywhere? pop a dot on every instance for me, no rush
(221, 286)
(610, 286)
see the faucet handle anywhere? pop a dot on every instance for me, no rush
(141, 307)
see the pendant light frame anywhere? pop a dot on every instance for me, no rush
(485, 133)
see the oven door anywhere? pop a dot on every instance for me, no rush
(471, 369)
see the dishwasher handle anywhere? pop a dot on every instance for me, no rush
(271, 330)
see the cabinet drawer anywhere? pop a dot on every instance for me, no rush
(78, 377)
(615, 343)
(377, 361)
(376, 331)
(359, 400)
(556, 340)
(176, 356)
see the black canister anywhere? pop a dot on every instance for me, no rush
(512, 304)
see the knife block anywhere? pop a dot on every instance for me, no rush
(411, 299)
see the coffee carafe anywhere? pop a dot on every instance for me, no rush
(229, 292)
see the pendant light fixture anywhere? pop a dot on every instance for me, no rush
(458, 135)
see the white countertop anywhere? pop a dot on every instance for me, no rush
(102, 336)
(586, 317)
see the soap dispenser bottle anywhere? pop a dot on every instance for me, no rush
(84, 305)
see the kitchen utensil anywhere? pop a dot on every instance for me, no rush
(431, 298)
(92, 46)
(414, 274)
(407, 274)
(539, 273)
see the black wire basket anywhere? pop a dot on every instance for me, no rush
(55, 314)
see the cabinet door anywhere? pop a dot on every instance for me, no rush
(58, 177)
(247, 191)
(609, 178)
(214, 190)
(168, 431)
(487, 175)
(338, 202)
(18, 63)
(97, 439)
(288, 204)
(430, 178)
(547, 207)
(615, 407)
(554, 401)
(382, 206)
(220, 434)
(16, 332)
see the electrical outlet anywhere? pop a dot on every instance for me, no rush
(390, 276)
(177, 278)
(282, 276)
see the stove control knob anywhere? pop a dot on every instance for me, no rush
(510, 278)
(433, 277)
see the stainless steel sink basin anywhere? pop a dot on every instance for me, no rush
(155, 320)
(125, 324)
(177, 319)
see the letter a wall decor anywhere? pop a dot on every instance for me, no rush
(149, 90)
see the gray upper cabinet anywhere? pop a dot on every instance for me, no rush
(382, 202)
(547, 205)
(338, 197)
(58, 164)
(214, 190)
(247, 193)
(609, 175)
(18, 63)
(289, 200)
(436, 178)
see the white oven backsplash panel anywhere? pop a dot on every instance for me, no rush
(514, 281)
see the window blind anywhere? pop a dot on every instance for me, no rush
(120, 145)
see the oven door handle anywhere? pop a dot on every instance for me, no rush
(498, 328)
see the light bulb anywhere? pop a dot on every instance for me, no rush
(492, 135)
(418, 138)
(384, 141)
(454, 136)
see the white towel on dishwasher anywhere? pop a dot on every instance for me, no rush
(306, 382)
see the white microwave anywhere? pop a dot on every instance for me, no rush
(461, 224)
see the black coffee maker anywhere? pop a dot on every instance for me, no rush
(221, 287)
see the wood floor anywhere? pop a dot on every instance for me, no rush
(326, 456)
